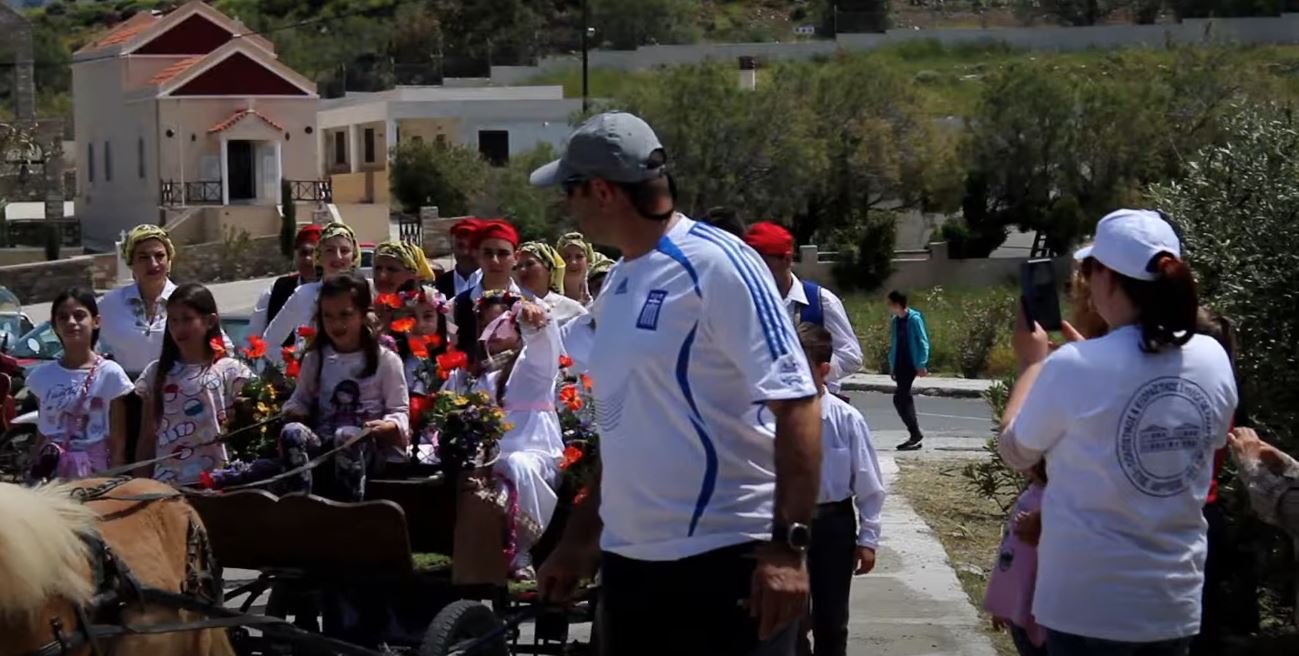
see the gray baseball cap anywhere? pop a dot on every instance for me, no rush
(614, 146)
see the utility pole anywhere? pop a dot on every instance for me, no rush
(586, 44)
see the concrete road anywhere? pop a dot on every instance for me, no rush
(936, 414)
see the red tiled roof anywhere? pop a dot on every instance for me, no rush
(175, 69)
(124, 31)
(239, 116)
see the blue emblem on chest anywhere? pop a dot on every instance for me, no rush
(648, 319)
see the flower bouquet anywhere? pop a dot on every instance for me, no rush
(255, 425)
(469, 429)
(577, 423)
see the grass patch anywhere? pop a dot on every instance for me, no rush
(968, 527)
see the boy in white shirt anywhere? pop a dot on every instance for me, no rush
(845, 537)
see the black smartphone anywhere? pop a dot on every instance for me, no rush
(1041, 296)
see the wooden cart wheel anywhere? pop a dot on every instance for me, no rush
(459, 622)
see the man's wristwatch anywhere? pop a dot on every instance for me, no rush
(795, 536)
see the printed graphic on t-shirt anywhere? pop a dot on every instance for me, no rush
(649, 313)
(1164, 436)
(346, 404)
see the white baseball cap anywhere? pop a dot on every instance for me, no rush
(1127, 240)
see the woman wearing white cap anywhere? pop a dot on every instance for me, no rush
(1127, 424)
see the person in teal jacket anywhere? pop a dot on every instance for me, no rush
(908, 358)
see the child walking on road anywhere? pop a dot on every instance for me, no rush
(908, 359)
(846, 536)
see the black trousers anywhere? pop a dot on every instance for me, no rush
(830, 563)
(692, 606)
(905, 403)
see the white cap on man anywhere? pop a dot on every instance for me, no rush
(1128, 240)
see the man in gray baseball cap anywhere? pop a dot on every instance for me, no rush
(709, 421)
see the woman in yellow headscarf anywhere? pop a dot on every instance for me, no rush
(338, 252)
(578, 255)
(539, 272)
(134, 316)
(400, 266)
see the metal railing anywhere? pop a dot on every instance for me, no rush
(191, 192)
(410, 229)
(311, 190)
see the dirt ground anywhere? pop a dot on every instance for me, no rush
(968, 527)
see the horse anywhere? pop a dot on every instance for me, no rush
(49, 559)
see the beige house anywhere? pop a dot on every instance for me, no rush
(185, 110)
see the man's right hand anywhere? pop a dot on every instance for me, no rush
(566, 566)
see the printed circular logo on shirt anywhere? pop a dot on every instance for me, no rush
(1164, 436)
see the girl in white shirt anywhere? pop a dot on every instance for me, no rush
(189, 391)
(523, 385)
(1127, 424)
(82, 420)
(539, 271)
(337, 252)
(348, 385)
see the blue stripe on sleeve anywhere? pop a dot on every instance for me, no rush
(759, 275)
(669, 248)
(710, 453)
(768, 308)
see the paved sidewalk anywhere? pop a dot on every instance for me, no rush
(912, 604)
(927, 386)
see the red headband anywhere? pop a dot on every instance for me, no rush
(770, 239)
(496, 229)
(307, 235)
(466, 228)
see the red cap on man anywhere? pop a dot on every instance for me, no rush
(465, 228)
(496, 229)
(770, 239)
(308, 234)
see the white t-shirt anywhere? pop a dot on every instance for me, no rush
(63, 406)
(1128, 439)
(126, 330)
(578, 338)
(693, 339)
(196, 400)
(343, 398)
(298, 311)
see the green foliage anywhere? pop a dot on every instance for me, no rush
(448, 176)
(990, 477)
(865, 251)
(988, 317)
(626, 24)
(537, 213)
(1236, 206)
(288, 219)
(1080, 12)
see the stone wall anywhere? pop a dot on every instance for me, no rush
(928, 269)
(34, 283)
(240, 258)
(27, 255)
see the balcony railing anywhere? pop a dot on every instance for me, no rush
(191, 192)
(311, 190)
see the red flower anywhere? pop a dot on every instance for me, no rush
(419, 404)
(565, 361)
(292, 368)
(256, 347)
(451, 360)
(402, 325)
(586, 382)
(218, 347)
(306, 332)
(417, 347)
(390, 300)
(568, 394)
(206, 481)
(433, 341)
(572, 455)
(287, 352)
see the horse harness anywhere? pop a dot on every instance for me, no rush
(117, 590)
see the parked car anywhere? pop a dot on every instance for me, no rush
(13, 322)
(367, 260)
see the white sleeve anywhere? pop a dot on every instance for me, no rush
(396, 396)
(749, 324)
(538, 363)
(867, 482)
(1046, 413)
(257, 323)
(847, 355)
(303, 399)
(295, 313)
(113, 382)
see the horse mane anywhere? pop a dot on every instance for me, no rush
(42, 554)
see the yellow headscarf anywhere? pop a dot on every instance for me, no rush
(551, 259)
(599, 266)
(142, 233)
(337, 229)
(576, 238)
(410, 256)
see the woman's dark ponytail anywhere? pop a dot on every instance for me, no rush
(1167, 306)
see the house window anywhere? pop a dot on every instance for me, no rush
(139, 151)
(108, 162)
(369, 145)
(494, 145)
(90, 159)
(340, 147)
(441, 140)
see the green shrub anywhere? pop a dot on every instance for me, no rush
(865, 250)
(990, 477)
(986, 318)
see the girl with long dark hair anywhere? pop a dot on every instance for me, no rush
(1128, 424)
(189, 391)
(349, 384)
